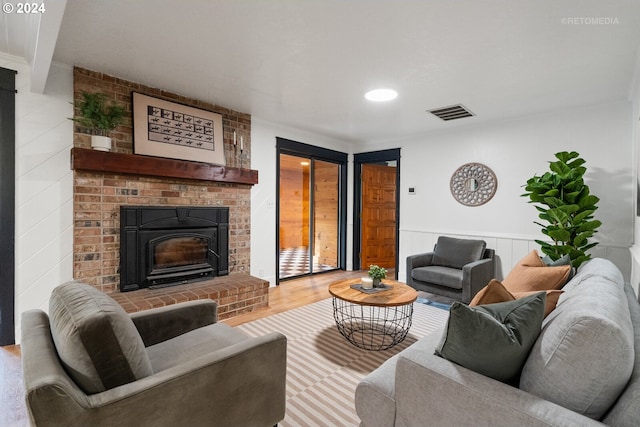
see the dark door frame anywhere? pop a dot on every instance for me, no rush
(7, 205)
(287, 146)
(392, 154)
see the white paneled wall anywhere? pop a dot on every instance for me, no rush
(44, 191)
(509, 250)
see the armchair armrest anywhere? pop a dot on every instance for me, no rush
(415, 261)
(477, 275)
(419, 260)
(430, 390)
(163, 323)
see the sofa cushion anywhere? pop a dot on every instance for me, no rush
(456, 253)
(495, 292)
(493, 339)
(443, 276)
(532, 274)
(585, 353)
(95, 338)
(193, 344)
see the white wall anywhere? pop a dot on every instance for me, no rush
(516, 150)
(263, 195)
(44, 186)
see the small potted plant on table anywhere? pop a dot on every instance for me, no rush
(99, 117)
(377, 274)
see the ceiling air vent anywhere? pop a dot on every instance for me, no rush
(452, 112)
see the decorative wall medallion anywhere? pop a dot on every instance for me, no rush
(473, 184)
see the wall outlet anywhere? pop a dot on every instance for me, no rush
(412, 191)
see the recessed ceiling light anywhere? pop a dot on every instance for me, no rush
(381, 95)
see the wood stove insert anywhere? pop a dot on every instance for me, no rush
(165, 246)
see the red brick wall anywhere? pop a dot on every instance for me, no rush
(98, 196)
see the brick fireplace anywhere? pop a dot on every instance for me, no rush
(100, 192)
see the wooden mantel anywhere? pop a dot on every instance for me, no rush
(101, 161)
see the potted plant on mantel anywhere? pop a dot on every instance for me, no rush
(99, 117)
(377, 273)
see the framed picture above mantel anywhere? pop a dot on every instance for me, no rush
(171, 130)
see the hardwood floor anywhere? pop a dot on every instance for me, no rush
(295, 293)
(290, 294)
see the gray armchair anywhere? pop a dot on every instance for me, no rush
(89, 363)
(457, 268)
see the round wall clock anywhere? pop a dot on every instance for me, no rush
(473, 184)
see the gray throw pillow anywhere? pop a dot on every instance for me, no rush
(563, 260)
(95, 338)
(456, 253)
(493, 339)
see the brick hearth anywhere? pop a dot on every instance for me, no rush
(236, 294)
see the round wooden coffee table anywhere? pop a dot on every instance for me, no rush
(375, 320)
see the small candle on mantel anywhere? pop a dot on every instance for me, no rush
(241, 143)
(234, 137)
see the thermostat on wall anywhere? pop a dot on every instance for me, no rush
(412, 191)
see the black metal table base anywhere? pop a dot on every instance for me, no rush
(372, 327)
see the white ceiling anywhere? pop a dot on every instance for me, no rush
(308, 63)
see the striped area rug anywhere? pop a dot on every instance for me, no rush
(323, 368)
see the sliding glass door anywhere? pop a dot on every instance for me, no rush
(325, 215)
(310, 203)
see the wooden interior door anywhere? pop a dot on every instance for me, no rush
(378, 220)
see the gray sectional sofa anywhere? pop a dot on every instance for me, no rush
(584, 369)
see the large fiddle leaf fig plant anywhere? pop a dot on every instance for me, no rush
(565, 203)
